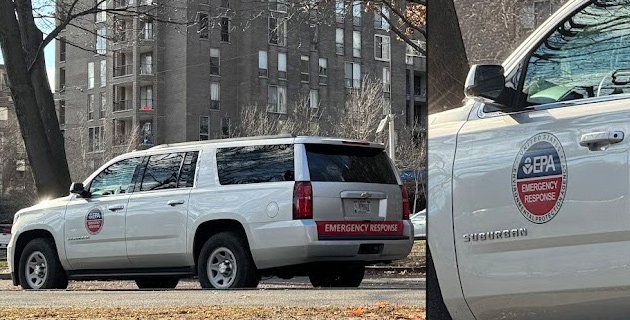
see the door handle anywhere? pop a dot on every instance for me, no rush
(173, 203)
(115, 208)
(598, 141)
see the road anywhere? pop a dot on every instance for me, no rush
(408, 291)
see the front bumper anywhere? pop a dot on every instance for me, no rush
(295, 242)
(10, 262)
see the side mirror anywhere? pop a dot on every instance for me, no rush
(487, 81)
(78, 188)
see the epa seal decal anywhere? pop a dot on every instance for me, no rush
(94, 221)
(539, 178)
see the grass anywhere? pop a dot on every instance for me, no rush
(4, 264)
(381, 310)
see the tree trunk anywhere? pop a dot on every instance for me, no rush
(32, 99)
(447, 62)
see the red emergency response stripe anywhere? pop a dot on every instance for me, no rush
(539, 195)
(359, 228)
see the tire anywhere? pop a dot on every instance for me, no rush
(233, 263)
(44, 269)
(337, 276)
(157, 283)
(436, 309)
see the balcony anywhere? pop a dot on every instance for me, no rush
(123, 105)
(124, 70)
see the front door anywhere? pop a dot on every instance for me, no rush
(95, 226)
(540, 197)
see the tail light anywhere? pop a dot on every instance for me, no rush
(302, 200)
(405, 203)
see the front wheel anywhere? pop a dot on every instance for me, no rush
(337, 276)
(226, 263)
(39, 266)
(157, 283)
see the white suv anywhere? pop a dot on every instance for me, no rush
(227, 211)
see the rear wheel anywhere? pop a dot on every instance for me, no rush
(337, 276)
(225, 262)
(39, 266)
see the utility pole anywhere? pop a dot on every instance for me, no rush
(392, 132)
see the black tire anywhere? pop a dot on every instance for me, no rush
(157, 283)
(436, 309)
(246, 274)
(54, 276)
(337, 276)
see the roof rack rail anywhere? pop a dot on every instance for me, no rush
(192, 143)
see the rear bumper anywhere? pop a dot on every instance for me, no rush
(295, 242)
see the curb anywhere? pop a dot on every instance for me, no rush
(396, 269)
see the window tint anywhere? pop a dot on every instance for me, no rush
(115, 179)
(161, 172)
(588, 56)
(349, 164)
(255, 164)
(187, 175)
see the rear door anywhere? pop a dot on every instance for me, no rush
(540, 197)
(158, 211)
(355, 192)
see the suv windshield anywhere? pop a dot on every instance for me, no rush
(332, 163)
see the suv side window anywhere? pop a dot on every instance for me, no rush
(588, 56)
(255, 164)
(162, 172)
(115, 179)
(187, 174)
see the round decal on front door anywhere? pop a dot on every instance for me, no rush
(94, 221)
(539, 178)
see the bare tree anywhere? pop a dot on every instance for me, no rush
(411, 156)
(362, 113)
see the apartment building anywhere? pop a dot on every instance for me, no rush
(146, 80)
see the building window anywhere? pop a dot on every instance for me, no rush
(313, 99)
(146, 63)
(4, 113)
(282, 65)
(204, 128)
(62, 80)
(278, 6)
(356, 44)
(380, 21)
(356, 13)
(90, 75)
(382, 47)
(62, 112)
(62, 49)
(103, 105)
(95, 139)
(215, 61)
(304, 69)
(226, 127)
(340, 10)
(147, 30)
(146, 98)
(339, 43)
(146, 132)
(352, 75)
(202, 25)
(101, 41)
(277, 99)
(215, 95)
(101, 15)
(103, 73)
(387, 79)
(225, 29)
(278, 31)
(262, 63)
(323, 71)
(90, 106)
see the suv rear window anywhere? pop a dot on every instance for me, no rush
(331, 163)
(255, 164)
